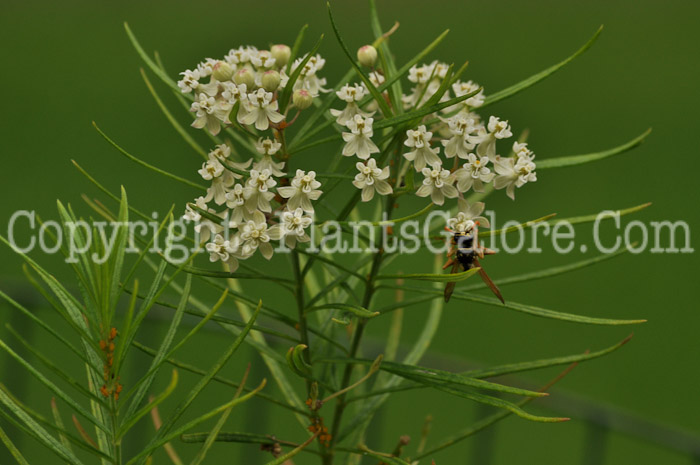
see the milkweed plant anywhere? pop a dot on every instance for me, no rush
(392, 136)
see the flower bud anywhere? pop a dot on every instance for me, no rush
(271, 80)
(245, 76)
(222, 71)
(367, 55)
(281, 54)
(302, 99)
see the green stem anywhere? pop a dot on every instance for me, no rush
(299, 294)
(355, 345)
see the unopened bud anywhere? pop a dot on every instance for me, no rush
(244, 76)
(222, 71)
(271, 80)
(367, 55)
(302, 99)
(281, 54)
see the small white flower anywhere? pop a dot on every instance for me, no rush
(206, 67)
(221, 178)
(292, 227)
(255, 235)
(257, 191)
(521, 151)
(190, 81)
(474, 173)
(210, 113)
(463, 88)
(235, 201)
(460, 126)
(260, 109)
(497, 129)
(224, 250)
(513, 172)
(203, 226)
(420, 74)
(307, 78)
(240, 55)
(263, 59)
(372, 179)
(419, 139)
(303, 189)
(438, 184)
(351, 95)
(267, 147)
(468, 216)
(233, 93)
(358, 141)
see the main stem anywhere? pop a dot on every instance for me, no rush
(355, 345)
(299, 294)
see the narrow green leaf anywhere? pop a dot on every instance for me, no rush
(171, 119)
(548, 272)
(131, 157)
(16, 454)
(162, 438)
(156, 70)
(499, 403)
(147, 380)
(286, 457)
(296, 47)
(519, 227)
(435, 377)
(422, 111)
(40, 433)
(435, 277)
(542, 312)
(52, 387)
(226, 274)
(356, 310)
(226, 382)
(534, 79)
(592, 218)
(545, 363)
(130, 421)
(574, 160)
(59, 425)
(384, 459)
(289, 88)
(383, 106)
(44, 325)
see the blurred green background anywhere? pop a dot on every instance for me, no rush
(68, 63)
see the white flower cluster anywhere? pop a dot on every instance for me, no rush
(458, 130)
(246, 222)
(247, 80)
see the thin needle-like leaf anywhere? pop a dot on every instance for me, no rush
(534, 79)
(137, 160)
(573, 160)
(176, 125)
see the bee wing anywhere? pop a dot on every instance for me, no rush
(489, 283)
(449, 289)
